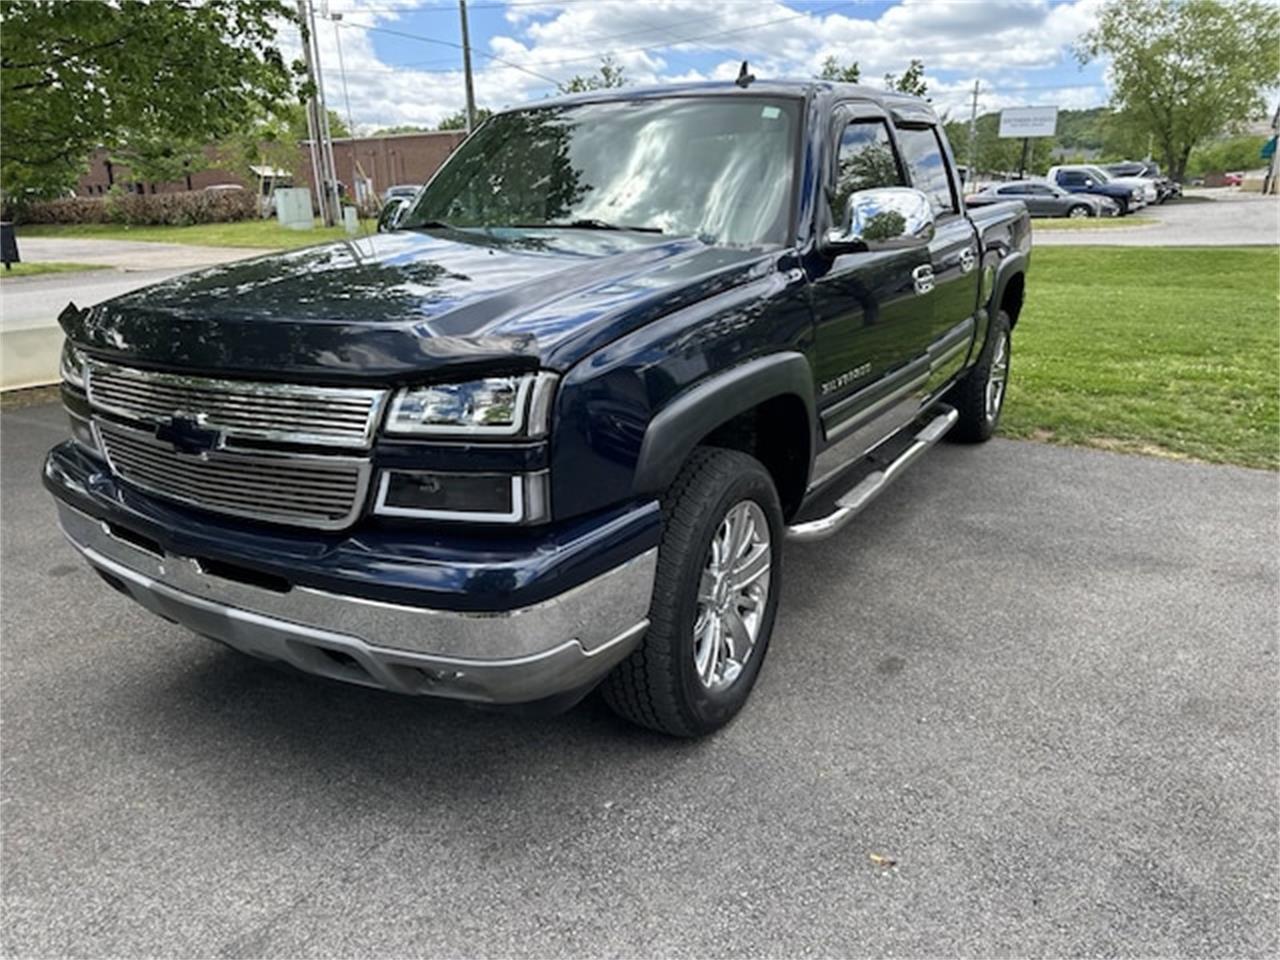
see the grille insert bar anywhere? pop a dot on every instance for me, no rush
(288, 413)
(309, 490)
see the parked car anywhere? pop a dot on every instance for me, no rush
(1148, 170)
(1233, 179)
(1146, 188)
(406, 191)
(1129, 198)
(1044, 199)
(552, 436)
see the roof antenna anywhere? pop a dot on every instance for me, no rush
(745, 79)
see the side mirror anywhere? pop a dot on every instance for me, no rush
(886, 218)
(390, 214)
(1088, 182)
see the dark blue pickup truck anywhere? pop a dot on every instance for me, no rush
(550, 432)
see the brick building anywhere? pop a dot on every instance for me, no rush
(400, 158)
(383, 162)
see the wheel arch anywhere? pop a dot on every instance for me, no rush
(763, 407)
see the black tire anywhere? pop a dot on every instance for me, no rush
(1124, 207)
(1079, 210)
(969, 396)
(658, 685)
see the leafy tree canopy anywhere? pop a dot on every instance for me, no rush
(458, 121)
(911, 81)
(609, 75)
(400, 128)
(1185, 70)
(76, 76)
(833, 69)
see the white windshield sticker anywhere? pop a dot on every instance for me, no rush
(770, 113)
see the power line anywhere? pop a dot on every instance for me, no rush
(671, 42)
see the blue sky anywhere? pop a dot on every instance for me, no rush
(403, 65)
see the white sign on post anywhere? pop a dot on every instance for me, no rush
(1022, 122)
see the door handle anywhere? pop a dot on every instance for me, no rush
(967, 260)
(923, 277)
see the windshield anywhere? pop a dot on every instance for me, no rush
(717, 168)
(1097, 174)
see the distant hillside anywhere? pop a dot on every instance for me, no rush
(1082, 129)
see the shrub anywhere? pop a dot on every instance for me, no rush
(144, 209)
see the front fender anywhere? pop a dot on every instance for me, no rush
(677, 428)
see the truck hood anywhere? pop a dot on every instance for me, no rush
(395, 306)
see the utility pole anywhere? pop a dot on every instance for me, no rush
(973, 139)
(466, 66)
(346, 98)
(332, 203)
(313, 132)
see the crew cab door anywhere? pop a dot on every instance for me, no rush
(872, 312)
(953, 254)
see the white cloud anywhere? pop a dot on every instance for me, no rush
(1006, 45)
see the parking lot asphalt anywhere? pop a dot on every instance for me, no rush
(1041, 681)
(1204, 218)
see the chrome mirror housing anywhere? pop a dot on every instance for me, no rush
(886, 218)
(390, 214)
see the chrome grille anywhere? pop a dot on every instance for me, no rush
(304, 489)
(324, 416)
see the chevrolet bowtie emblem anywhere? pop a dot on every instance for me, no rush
(188, 436)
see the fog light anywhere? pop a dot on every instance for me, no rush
(82, 434)
(482, 497)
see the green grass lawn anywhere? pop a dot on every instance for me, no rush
(1092, 223)
(266, 234)
(1167, 351)
(53, 266)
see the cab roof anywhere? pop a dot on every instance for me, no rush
(902, 106)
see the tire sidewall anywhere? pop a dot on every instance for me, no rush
(713, 708)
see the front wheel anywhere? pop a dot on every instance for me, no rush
(714, 599)
(1078, 212)
(979, 396)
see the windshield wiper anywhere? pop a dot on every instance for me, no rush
(590, 224)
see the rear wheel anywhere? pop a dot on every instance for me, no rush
(1079, 211)
(979, 397)
(714, 600)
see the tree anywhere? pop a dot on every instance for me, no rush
(1185, 70)
(1222, 156)
(160, 159)
(400, 128)
(297, 117)
(76, 76)
(832, 70)
(610, 75)
(911, 81)
(268, 139)
(458, 121)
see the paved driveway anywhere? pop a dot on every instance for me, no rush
(1043, 681)
(128, 254)
(1205, 218)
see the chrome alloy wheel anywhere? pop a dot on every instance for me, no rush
(1078, 213)
(732, 594)
(997, 377)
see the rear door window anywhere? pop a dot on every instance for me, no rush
(922, 152)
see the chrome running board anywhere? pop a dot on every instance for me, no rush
(874, 483)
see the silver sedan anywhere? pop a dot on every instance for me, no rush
(1046, 200)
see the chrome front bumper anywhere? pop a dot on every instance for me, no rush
(558, 646)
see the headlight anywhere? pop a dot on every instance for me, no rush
(72, 365)
(518, 406)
